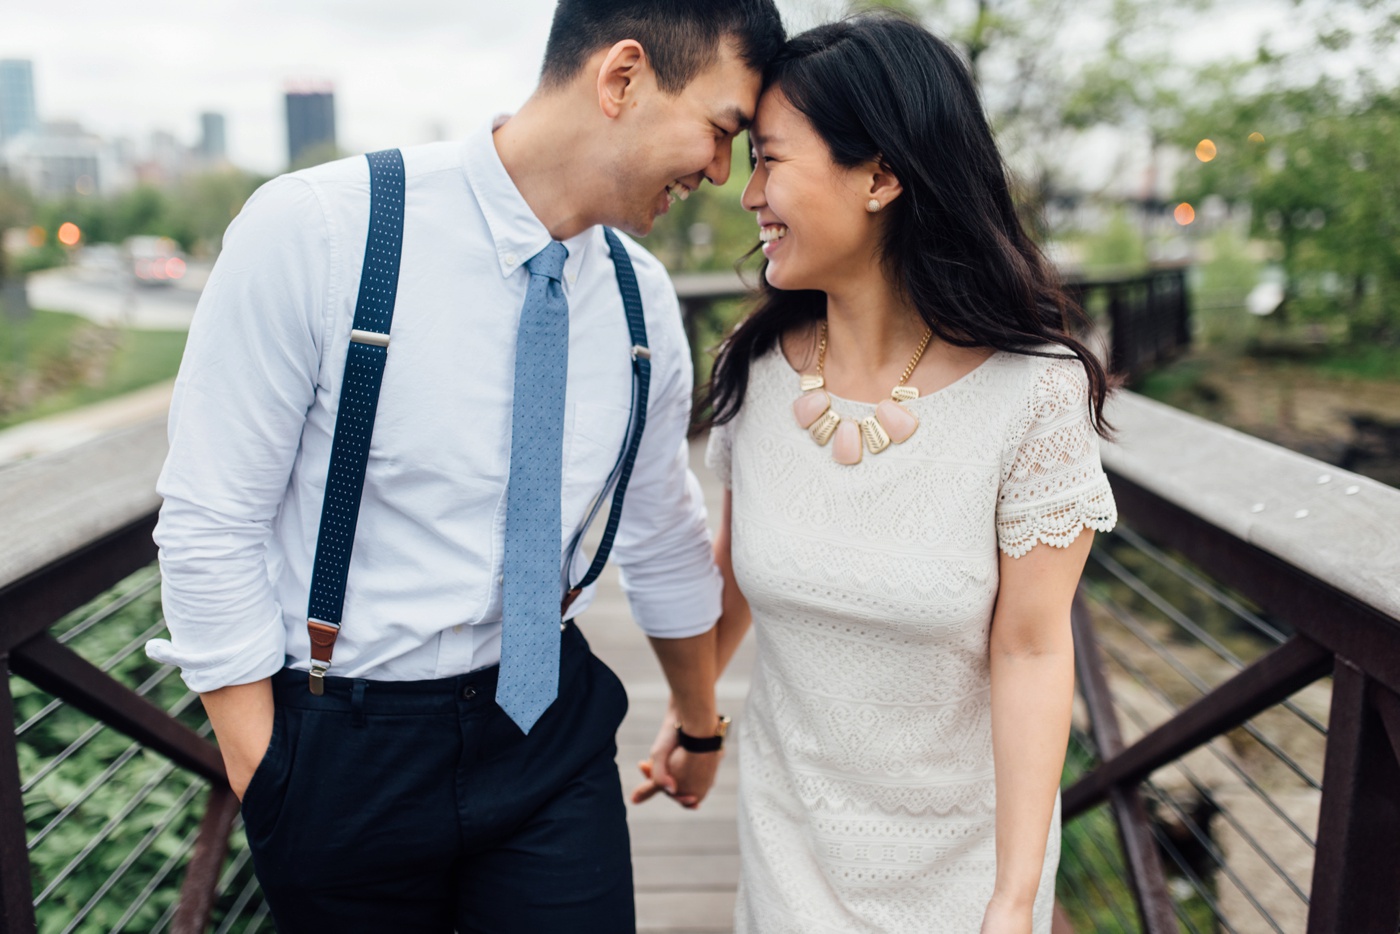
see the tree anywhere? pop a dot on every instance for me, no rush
(1309, 140)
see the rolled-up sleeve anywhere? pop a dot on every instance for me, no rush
(663, 547)
(246, 383)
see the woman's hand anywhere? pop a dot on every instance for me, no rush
(1005, 917)
(685, 776)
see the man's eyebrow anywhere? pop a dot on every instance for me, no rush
(738, 118)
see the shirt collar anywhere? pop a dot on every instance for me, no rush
(515, 230)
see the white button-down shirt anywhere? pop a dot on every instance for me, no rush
(254, 413)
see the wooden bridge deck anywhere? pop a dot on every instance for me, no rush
(686, 863)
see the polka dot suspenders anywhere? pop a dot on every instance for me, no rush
(359, 400)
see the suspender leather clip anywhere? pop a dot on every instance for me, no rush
(641, 353)
(568, 601)
(323, 637)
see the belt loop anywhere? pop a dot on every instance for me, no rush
(357, 702)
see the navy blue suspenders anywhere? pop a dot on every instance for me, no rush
(359, 400)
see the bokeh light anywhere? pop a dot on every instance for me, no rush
(175, 267)
(37, 236)
(1184, 214)
(1256, 137)
(1205, 150)
(69, 234)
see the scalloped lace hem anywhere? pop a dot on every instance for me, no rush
(1058, 524)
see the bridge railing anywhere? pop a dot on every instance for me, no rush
(1238, 653)
(1233, 764)
(114, 809)
(1145, 317)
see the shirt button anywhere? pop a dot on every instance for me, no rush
(501, 579)
(468, 692)
(511, 259)
(457, 629)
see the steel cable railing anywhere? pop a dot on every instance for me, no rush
(121, 655)
(157, 830)
(1248, 838)
(1142, 589)
(1141, 679)
(1129, 622)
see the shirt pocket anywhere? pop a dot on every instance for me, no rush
(594, 444)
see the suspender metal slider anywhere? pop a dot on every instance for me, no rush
(372, 338)
(641, 353)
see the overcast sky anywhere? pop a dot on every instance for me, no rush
(404, 72)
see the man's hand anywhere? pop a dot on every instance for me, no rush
(241, 715)
(685, 776)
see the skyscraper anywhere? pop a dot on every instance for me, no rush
(213, 146)
(18, 113)
(310, 120)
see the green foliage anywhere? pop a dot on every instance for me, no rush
(112, 824)
(1323, 181)
(1119, 246)
(194, 213)
(51, 362)
(725, 230)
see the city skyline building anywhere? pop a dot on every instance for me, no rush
(213, 141)
(310, 120)
(19, 112)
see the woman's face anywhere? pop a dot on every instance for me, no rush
(812, 213)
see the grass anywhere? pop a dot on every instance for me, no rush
(53, 361)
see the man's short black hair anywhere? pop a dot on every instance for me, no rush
(681, 37)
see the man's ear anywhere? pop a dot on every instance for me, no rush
(622, 65)
(884, 184)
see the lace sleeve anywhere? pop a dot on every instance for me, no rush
(719, 453)
(1054, 486)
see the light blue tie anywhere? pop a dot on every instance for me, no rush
(529, 676)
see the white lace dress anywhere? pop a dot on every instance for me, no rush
(867, 792)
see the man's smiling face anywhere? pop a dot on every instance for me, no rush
(677, 141)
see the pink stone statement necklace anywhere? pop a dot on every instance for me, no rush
(892, 423)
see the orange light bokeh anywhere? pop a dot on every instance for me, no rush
(37, 236)
(69, 234)
(1256, 137)
(1205, 150)
(1184, 214)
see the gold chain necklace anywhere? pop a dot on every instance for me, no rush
(892, 423)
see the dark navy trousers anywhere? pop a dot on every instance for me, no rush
(418, 806)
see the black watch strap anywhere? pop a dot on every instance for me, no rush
(703, 743)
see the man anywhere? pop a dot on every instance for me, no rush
(430, 785)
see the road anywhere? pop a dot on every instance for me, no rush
(102, 295)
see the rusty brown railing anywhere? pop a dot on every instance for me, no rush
(1304, 557)
(80, 523)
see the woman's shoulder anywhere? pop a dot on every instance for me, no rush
(1047, 370)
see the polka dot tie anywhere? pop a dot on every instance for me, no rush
(529, 677)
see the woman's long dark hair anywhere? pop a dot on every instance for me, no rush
(880, 87)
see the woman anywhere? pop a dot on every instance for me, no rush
(907, 555)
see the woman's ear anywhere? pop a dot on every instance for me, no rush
(884, 185)
(622, 65)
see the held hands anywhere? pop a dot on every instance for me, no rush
(685, 776)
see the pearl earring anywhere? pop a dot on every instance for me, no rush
(872, 205)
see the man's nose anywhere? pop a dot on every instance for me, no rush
(718, 170)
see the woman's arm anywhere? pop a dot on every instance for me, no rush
(735, 618)
(1032, 669)
(729, 631)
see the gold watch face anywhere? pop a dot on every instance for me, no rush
(723, 726)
